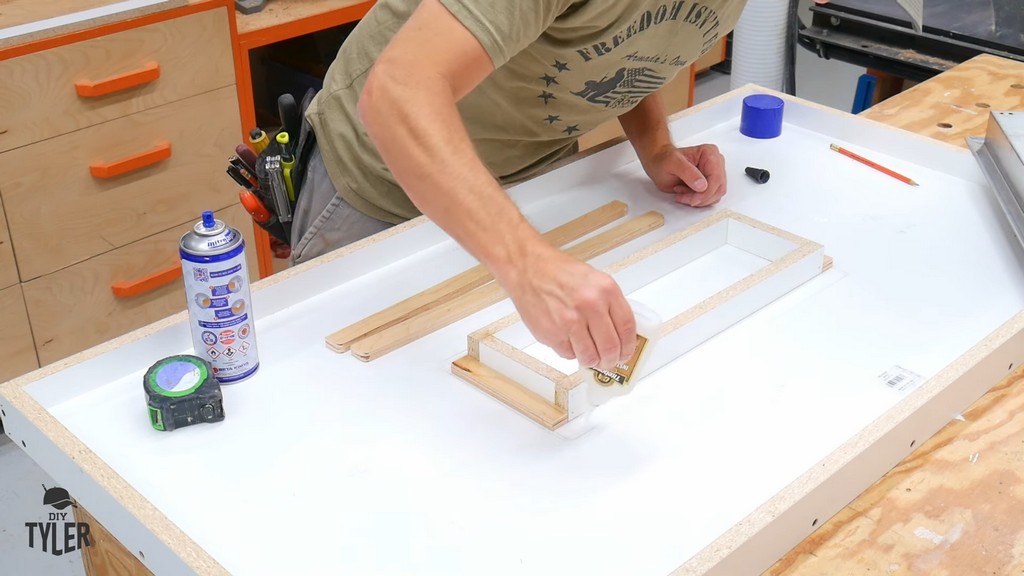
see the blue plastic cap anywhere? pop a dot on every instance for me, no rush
(761, 116)
(208, 221)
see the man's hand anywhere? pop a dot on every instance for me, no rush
(696, 174)
(578, 311)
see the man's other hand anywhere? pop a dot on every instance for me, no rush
(695, 174)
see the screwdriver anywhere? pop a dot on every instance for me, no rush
(287, 163)
(259, 140)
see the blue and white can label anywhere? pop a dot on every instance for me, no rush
(219, 302)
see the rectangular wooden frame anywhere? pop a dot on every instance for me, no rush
(552, 397)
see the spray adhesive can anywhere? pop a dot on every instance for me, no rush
(217, 295)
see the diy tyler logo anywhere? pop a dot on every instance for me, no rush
(58, 530)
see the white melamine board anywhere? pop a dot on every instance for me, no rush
(510, 367)
(757, 241)
(326, 464)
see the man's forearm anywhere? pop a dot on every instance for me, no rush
(415, 125)
(646, 127)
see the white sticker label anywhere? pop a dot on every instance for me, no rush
(900, 379)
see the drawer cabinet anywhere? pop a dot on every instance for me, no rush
(84, 215)
(17, 352)
(111, 147)
(75, 308)
(8, 267)
(70, 87)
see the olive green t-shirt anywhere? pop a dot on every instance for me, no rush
(562, 67)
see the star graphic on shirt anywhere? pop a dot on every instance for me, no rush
(570, 129)
(548, 80)
(560, 66)
(552, 119)
(547, 96)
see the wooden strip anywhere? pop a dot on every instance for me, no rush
(471, 279)
(376, 345)
(507, 391)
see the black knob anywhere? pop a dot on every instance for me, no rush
(759, 175)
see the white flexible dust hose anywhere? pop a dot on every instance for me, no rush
(759, 45)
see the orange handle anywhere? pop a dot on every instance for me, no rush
(144, 75)
(134, 288)
(134, 162)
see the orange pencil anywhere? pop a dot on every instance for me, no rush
(878, 167)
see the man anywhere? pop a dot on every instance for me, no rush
(431, 106)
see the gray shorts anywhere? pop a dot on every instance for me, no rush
(323, 221)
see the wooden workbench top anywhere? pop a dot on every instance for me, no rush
(954, 507)
(955, 104)
(281, 19)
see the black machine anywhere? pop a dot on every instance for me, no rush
(880, 35)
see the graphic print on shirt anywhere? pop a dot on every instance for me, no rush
(624, 89)
(634, 78)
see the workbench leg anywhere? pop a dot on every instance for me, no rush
(105, 556)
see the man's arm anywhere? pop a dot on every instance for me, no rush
(408, 106)
(696, 175)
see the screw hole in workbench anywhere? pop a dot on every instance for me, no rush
(815, 523)
(1018, 86)
(944, 125)
(982, 105)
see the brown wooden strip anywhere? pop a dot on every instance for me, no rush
(471, 279)
(394, 337)
(527, 402)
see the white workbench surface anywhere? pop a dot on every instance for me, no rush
(329, 465)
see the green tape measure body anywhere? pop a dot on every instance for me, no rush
(181, 391)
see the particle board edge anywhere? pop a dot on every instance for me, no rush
(141, 526)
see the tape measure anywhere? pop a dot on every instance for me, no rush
(181, 391)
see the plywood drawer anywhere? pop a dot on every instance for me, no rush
(38, 94)
(59, 213)
(75, 308)
(8, 268)
(17, 353)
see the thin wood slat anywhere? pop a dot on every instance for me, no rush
(530, 404)
(467, 281)
(379, 344)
